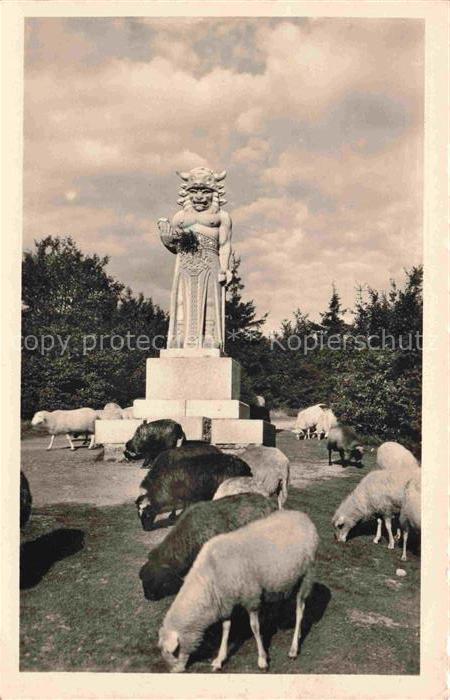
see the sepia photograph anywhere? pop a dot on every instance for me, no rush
(224, 348)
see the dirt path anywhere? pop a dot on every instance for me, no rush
(62, 476)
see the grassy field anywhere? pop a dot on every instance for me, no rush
(82, 606)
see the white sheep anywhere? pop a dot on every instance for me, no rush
(307, 420)
(326, 421)
(392, 455)
(272, 555)
(111, 411)
(240, 484)
(128, 413)
(379, 493)
(410, 513)
(270, 467)
(72, 422)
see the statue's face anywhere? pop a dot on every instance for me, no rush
(201, 198)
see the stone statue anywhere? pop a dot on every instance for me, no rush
(200, 236)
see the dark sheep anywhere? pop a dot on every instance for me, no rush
(152, 438)
(173, 483)
(169, 561)
(25, 500)
(191, 449)
(344, 440)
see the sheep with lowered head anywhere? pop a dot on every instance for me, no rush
(326, 421)
(111, 411)
(239, 485)
(170, 560)
(410, 513)
(274, 555)
(174, 484)
(392, 455)
(379, 493)
(307, 420)
(71, 422)
(344, 440)
(270, 467)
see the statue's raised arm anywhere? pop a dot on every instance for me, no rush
(200, 235)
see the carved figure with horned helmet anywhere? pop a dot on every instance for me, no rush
(200, 236)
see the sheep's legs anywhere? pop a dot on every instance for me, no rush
(91, 444)
(405, 539)
(329, 458)
(398, 535)
(51, 442)
(377, 537)
(254, 624)
(70, 441)
(387, 522)
(300, 607)
(222, 655)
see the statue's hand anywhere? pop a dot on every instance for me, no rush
(164, 226)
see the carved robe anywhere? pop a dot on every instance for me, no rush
(196, 304)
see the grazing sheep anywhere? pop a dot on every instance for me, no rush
(379, 493)
(307, 420)
(152, 438)
(188, 450)
(326, 421)
(240, 484)
(170, 560)
(410, 513)
(25, 500)
(274, 555)
(392, 455)
(111, 411)
(128, 413)
(176, 483)
(344, 440)
(78, 420)
(270, 467)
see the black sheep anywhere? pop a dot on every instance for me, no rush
(152, 438)
(344, 440)
(25, 500)
(170, 560)
(173, 483)
(191, 449)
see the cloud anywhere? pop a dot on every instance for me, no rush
(318, 122)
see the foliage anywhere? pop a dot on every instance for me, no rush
(67, 294)
(69, 300)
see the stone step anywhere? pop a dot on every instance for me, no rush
(242, 432)
(120, 431)
(172, 408)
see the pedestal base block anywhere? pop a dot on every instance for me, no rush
(242, 432)
(113, 432)
(218, 409)
(162, 408)
(193, 378)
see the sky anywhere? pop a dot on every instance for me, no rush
(318, 122)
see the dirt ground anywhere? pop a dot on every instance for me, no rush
(82, 607)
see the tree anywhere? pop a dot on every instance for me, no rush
(332, 321)
(71, 310)
(244, 339)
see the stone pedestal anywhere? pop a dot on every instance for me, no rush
(200, 389)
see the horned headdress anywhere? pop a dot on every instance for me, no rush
(203, 178)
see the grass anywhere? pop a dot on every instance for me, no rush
(82, 607)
